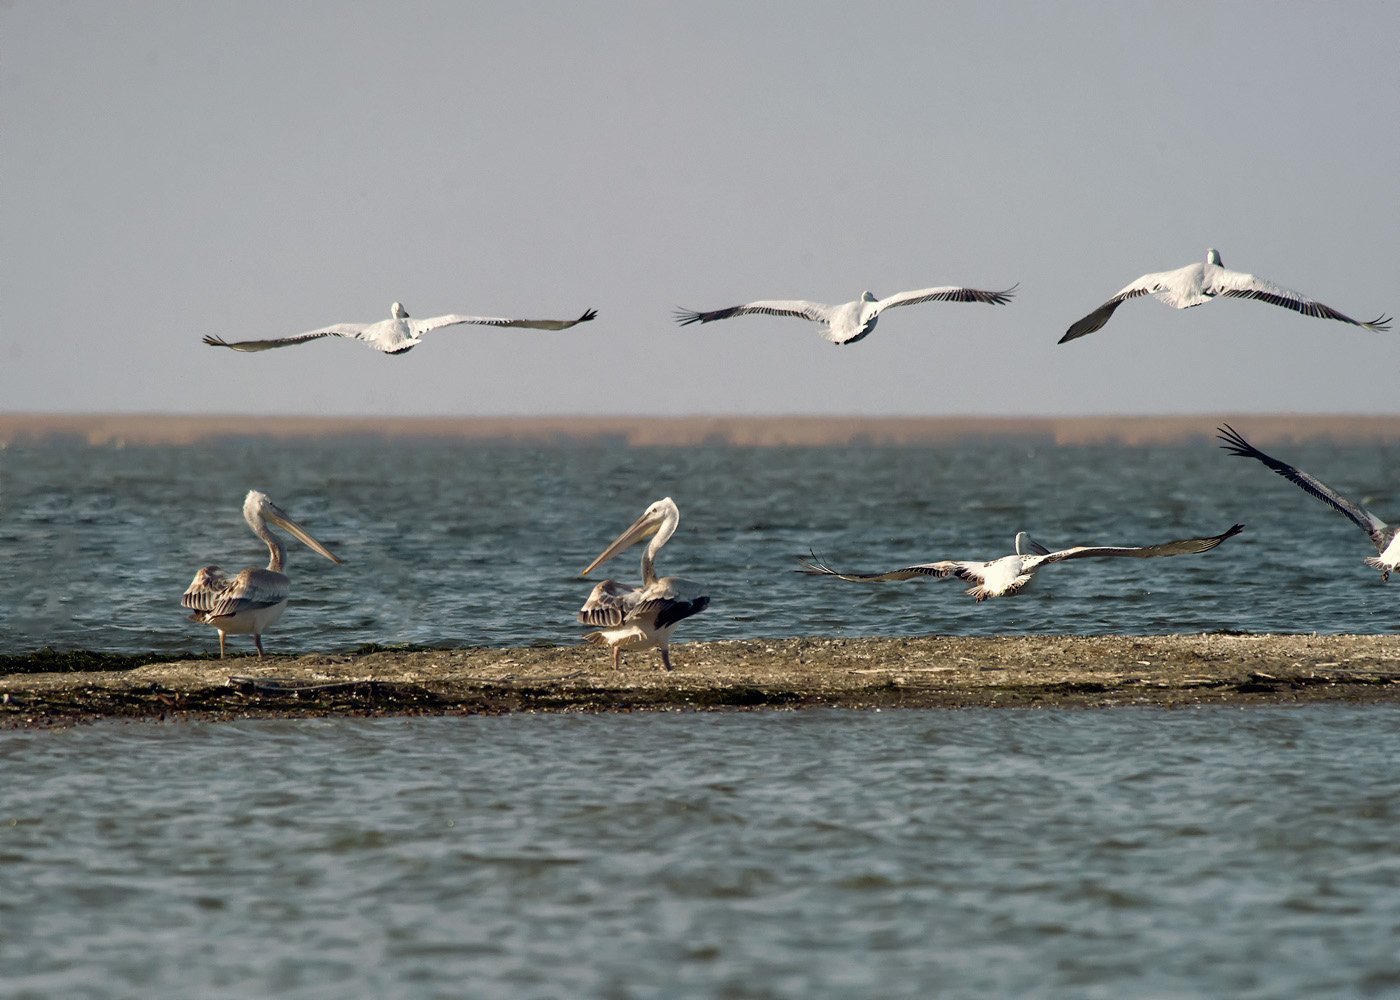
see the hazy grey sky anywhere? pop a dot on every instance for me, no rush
(255, 170)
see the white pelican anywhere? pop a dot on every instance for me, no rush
(645, 616)
(255, 598)
(1011, 574)
(398, 333)
(1383, 536)
(1197, 283)
(849, 322)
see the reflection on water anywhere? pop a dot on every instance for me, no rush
(451, 544)
(1132, 853)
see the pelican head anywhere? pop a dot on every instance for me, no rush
(397, 311)
(867, 297)
(1023, 543)
(659, 520)
(1213, 257)
(258, 510)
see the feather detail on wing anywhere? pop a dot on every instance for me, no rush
(436, 322)
(1100, 316)
(608, 604)
(814, 311)
(217, 595)
(947, 293)
(267, 345)
(816, 567)
(1380, 532)
(1185, 546)
(1239, 285)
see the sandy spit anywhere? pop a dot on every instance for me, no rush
(933, 672)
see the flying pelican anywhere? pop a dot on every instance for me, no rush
(1197, 283)
(255, 598)
(1011, 574)
(1383, 536)
(645, 616)
(847, 323)
(398, 333)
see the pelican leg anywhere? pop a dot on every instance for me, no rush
(221, 644)
(665, 658)
(257, 641)
(617, 657)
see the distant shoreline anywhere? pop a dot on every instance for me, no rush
(106, 430)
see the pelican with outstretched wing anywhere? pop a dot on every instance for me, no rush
(1195, 284)
(851, 321)
(1011, 574)
(642, 617)
(255, 598)
(398, 333)
(1382, 535)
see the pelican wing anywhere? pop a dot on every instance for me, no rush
(816, 567)
(1164, 284)
(814, 311)
(670, 599)
(1185, 546)
(1380, 532)
(250, 590)
(436, 322)
(342, 330)
(609, 604)
(1238, 285)
(206, 589)
(947, 293)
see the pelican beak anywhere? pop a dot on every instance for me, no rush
(301, 534)
(645, 526)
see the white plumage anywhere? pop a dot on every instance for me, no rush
(398, 333)
(851, 321)
(1011, 574)
(634, 618)
(1195, 284)
(253, 600)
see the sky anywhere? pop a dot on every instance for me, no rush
(259, 169)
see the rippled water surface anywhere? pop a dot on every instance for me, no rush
(445, 544)
(1132, 853)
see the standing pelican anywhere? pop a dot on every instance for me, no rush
(1383, 536)
(1011, 574)
(398, 333)
(847, 323)
(255, 598)
(645, 616)
(1197, 283)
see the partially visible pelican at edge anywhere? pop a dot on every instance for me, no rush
(1383, 536)
(255, 598)
(851, 321)
(1011, 574)
(398, 333)
(633, 618)
(1195, 284)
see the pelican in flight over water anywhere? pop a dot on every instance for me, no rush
(847, 323)
(642, 617)
(1011, 574)
(1383, 536)
(398, 333)
(255, 598)
(1197, 283)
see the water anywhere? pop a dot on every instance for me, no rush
(448, 544)
(1134, 853)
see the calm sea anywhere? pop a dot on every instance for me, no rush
(1131, 853)
(449, 544)
(806, 855)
